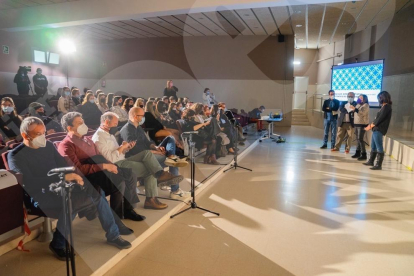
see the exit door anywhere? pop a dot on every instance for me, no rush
(300, 92)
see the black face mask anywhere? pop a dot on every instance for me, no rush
(113, 130)
(131, 105)
(142, 106)
(103, 100)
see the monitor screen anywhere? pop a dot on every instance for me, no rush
(39, 56)
(360, 78)
(53, 58)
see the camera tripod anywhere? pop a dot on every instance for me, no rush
(192, 167)
(64, 189)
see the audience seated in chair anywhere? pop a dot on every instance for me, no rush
(90, 111)
(65, 103)
(33, 159)
(118, 110)
(37, 110)
(9, 120)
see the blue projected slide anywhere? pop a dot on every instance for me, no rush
(360, 78)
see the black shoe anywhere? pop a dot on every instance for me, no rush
(60, 253)
(120, 243)
(378, 166)
(132, 215)
(372, 157)
(357, 154)
(241, 144)
(123, 229)
(324, 147)
(90, 213)
(362, 157)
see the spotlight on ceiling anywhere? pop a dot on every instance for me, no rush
(67, 46)
(296, 62)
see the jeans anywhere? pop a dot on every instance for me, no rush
(105, 217)
(377, 142)
(329, 124)
(169, 144)
(360, 132)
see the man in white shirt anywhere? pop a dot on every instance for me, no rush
(143, 164)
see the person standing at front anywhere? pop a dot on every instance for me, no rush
(345, 123)
(40, 83)
(330, 116)
(361, 120)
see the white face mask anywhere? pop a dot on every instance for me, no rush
(331, 97)
(82, 129)
(39, 141)
(7, 109)
(142, 121)
(350, 100)
(174, 109)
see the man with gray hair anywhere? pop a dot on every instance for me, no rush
(143, 164)
(345, 123)
(34, 158)
(118, 183)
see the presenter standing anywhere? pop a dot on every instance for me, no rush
(171, 90)
(330, 108)
(346, 123)
(40, 83)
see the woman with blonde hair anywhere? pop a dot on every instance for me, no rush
(170, 90)
(103, 107)
(139, 103)
(157, 128)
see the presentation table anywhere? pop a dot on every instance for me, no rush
(270, 134)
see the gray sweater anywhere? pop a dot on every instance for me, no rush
(361, 115)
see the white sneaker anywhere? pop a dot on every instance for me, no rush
(174, 161)
(180, 194)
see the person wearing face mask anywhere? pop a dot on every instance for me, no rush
(118, 110)
(172, 99)
(103, 107)
(330, 108)
(209, 98)
(174, 112)
(140, 102)
(65, 103)
(34, 158)
(128, 104)
(40, 83)
(10, 121)
(164, 152)
(90, 111)
(345, 123)
(118, 183)
(361, 121)
(255, 116)
(143, 163)
(38, 110)
(76, 96)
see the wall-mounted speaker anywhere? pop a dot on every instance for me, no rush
(281, 38)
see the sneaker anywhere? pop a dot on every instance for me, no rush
(180, 194)
(242, 143)
(174, 161)
(167, 179)
(324, 147)
(60, 253)
(119, 242)
(154, 203)
(334, 149)
(346, 151)
(132, 215)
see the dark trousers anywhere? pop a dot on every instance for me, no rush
(360, 132)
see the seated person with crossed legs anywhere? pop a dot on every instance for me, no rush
(34, 158)
(143, 164)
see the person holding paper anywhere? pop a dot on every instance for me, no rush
(345, 123)
(330, 108)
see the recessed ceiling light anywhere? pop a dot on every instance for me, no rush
(298, 26)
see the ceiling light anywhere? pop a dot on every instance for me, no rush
(298, 26)
(67, 46)
(296, 62)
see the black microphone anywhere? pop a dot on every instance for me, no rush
(62, 170)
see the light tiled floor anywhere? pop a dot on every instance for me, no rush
(302, 211)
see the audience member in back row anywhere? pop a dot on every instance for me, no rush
(379, 128)
(102, 103)
(157, 128)
(174, 113)
(22, 81)
(199, 112)
(33, 159)
(9, 120)
(164, 152)
(204, 135)
(140, 102)
(76, 96)
(40, 83)
(361, 121)
(90, 111)
(37, 110)
(161, 112)
(345, 123)
(170, 90)
(118, 183)
(110, 100)
(65, 103)
(208, 98)
(118, 110)
(128, 104)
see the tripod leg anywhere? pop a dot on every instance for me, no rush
(244, 168)
(217, 214)
(185, 210)
(231, 167)
(72, 253)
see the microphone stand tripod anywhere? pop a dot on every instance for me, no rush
(235, 165)
(193, 201)
(65, 190)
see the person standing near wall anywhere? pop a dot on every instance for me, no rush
(330, 116)
(22, 81)
(170, 90)
(379, 128)
(345, 123)
(40, 83)
(361, 120)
